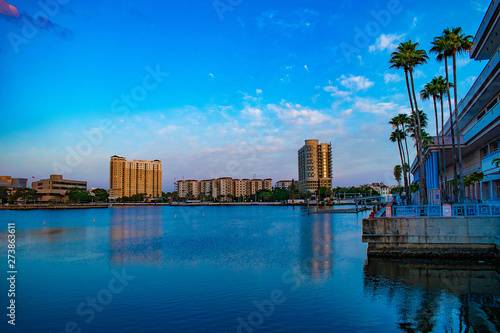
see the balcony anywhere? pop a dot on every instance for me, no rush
(487, 163)
(476, 97)
(488, 118)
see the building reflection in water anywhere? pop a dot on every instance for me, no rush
(133, 240)
(316, 248)
(430, 296)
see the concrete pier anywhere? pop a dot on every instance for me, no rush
(433, 237)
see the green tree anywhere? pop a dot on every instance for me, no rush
(78, 195)
(27, 194)
(473, 178)
(496, 162)
(4, 194)
(407, 56)
(401, 122)
(100, 195)
(398, 170)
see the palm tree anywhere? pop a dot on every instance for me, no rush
(442, 89)
(496, 162)
(427, 139)
(397, 136)
(431, 90)
(398, 169)
(402, 120)
(441, 48)
(459, 43)
(407, 56)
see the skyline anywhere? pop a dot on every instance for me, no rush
(234, 89)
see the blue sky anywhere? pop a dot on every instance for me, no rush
(212, 88)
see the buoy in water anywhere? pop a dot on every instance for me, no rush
(44, 223)
(94, 219)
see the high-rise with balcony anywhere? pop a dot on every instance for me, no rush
(135, 177)
(315, 166)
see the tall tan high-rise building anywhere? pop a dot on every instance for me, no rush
(127, 178)
(315, 163)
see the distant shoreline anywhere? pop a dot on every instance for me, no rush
(149, 204)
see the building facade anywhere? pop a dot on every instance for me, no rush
(13, 183)
(55, 187)
(284, 184)
(128, 178)
(315, 166)
(478, 124)
(222, 188)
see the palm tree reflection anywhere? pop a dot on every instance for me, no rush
(437, 296)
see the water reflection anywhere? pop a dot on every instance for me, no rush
(316, 252)
(135, 239)
(447, 297)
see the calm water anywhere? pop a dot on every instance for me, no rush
(229, 269)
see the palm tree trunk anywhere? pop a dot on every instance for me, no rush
(445, 177)
(401, 153)
(418, 132)
(408, 194)
(440, 174)
(452, 128)
(403, 161)
(406, 173)
(461, 173)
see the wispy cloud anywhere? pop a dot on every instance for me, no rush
(388, 77)
(301, 20)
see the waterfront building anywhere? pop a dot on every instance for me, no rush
(283, 184)
(478, 122)
(13, 183)
(54, 188)
(225, 187)
(206, 188)
(267, 184)
(135, 177)
(222, 187)
(240, 187)
(315, 164)
(255, 186)
(188, 188)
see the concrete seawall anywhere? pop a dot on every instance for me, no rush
(433, 237)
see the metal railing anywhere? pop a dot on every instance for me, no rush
(457, 210)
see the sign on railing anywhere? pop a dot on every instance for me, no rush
(437, 210)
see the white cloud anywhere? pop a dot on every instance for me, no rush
(307, 69)
(211, 75)
(355, 82)
(336, 92)
(258, 91)
(386, 42)
(299, 115)
(377, 107)
(414, 22)
(388, 77)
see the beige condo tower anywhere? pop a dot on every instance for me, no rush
(135, 177)
(315, 164)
